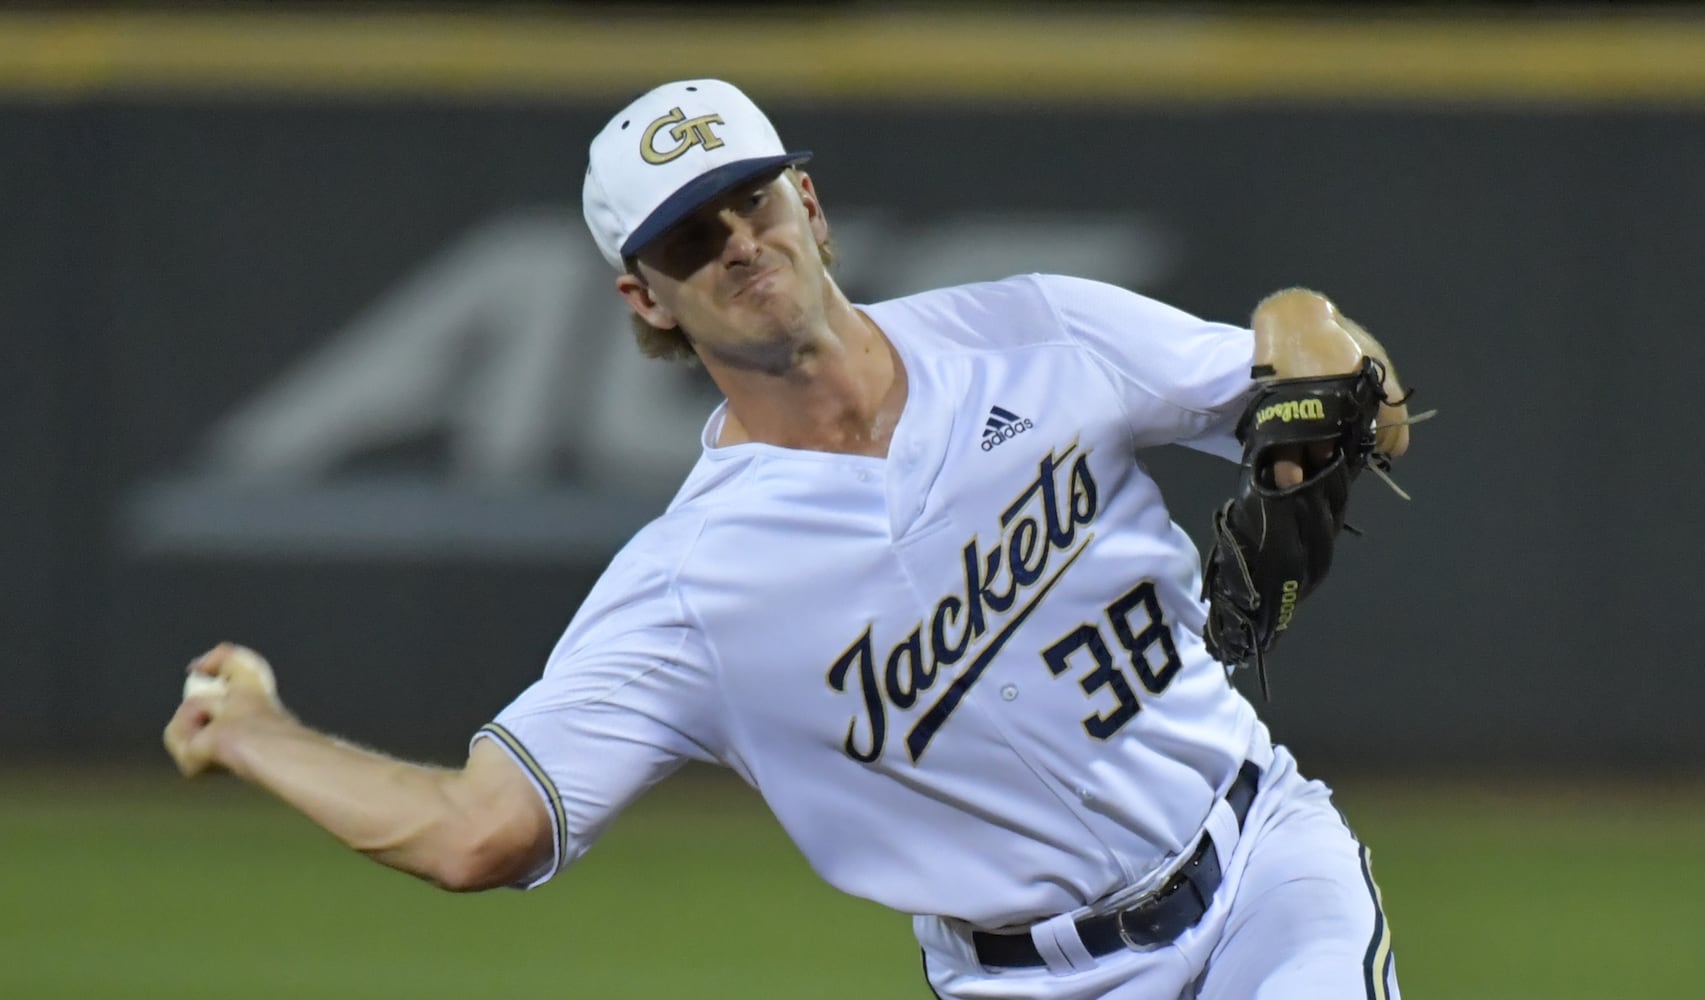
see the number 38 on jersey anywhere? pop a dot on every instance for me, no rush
(1043, 532)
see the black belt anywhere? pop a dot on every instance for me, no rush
(1158, 919)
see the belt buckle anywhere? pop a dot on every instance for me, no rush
(1151, 940)
(1153, 935)
(1156, 933)
(1125, 934)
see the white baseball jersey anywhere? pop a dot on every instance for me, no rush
(967, 678)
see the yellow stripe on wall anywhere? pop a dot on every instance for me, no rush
(807, 55)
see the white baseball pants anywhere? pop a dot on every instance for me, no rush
(1297, 917)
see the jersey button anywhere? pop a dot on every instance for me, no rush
(1009, 692)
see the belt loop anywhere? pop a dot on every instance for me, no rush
(1060, 946)
(1203, 874)
(1260, 751)
(1222, 827)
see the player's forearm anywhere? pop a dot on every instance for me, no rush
(400, 814)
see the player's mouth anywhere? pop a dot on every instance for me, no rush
(760, 279)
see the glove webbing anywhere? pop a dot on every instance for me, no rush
(1245, 624)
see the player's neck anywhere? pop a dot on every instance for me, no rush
(845, 395)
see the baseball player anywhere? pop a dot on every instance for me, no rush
(921, 594)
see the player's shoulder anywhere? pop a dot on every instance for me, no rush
(637, 592)
(1024, 310)
(1011, 312)
(646, 565)
(715, 479)
(723, 480)
(654, 555)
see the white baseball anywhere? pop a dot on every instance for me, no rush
(204, 686)
(241, 664)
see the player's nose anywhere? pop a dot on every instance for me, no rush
(740, 247)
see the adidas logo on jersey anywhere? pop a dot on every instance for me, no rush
(1002, 426)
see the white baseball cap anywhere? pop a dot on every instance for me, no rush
(670, 151)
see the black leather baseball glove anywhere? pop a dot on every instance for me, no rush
(1273, 545)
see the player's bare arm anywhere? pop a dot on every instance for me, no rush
(477, 827)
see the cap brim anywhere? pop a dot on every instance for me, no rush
(701, 189)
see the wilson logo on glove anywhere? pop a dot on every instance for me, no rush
(1292, 409)
(1287, 605)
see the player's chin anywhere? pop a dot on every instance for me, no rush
(773, 317)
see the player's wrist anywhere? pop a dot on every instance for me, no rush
(243, 744)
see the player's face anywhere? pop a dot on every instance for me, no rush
(742, 276)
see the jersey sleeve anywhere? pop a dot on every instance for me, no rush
(1182, 380)
(627, 697)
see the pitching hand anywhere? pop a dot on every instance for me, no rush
(202, 734)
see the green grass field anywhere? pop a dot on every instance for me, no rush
(140, 885)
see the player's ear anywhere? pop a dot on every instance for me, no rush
(644, 303)
(813, 207)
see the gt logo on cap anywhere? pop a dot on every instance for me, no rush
(687, 133)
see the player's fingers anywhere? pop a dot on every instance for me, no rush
(192, 716)
(245, 668)
(182, 736)
(238, 665)
(192, 758)
(1392, 440)
(1286, 473)
(209, 663)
